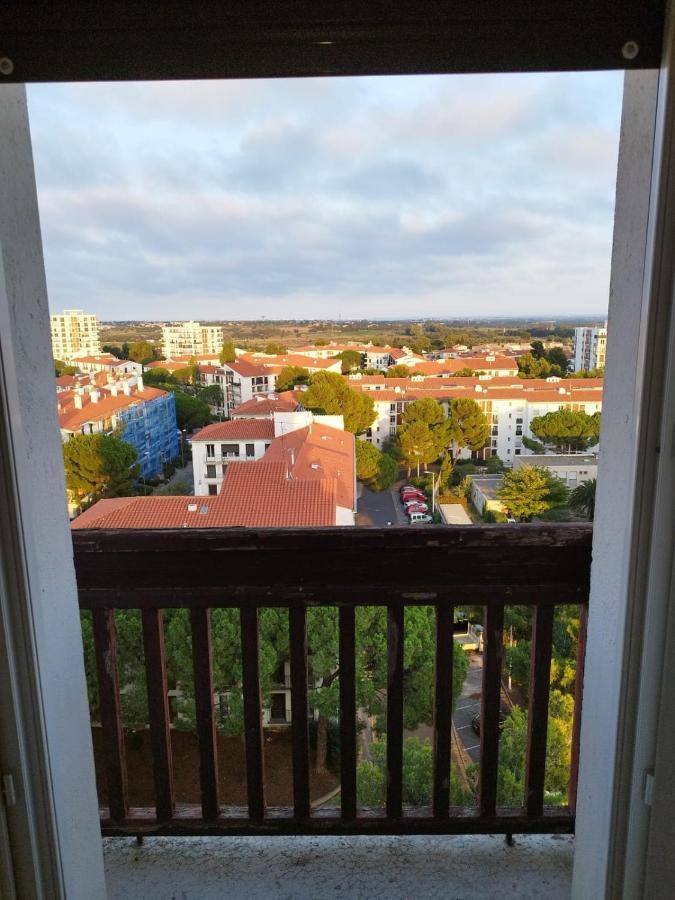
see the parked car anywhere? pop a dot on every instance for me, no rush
(475, 722)
(410, 495)
(415, 503)
(420, 508)
(409, 487)
(420, 518)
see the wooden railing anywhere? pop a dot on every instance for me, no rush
(491, 566)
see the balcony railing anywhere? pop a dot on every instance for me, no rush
(491, 566)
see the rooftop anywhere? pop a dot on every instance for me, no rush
(264, 406)
(241, 429)
(108, 400)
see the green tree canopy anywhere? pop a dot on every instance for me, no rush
(556, 357)
(99, 465)
(367, 460)
(397, 371)
(351, 360)
(530, 491)
(228, 353)
(418, 443)
(468, 426)
(274, 348)
(464, 373)
(329, 394)
(141, 351)
(191, 413)
(60, 368)
(290, 376)
(212, 395)
(582, 498)
(158, 376)
(567, 430)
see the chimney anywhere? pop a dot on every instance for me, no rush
(113, 390)
(77, 399)
(126, 387)
(139, 382)
(94, 396)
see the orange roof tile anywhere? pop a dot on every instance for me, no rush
(72, 418)
(264, 407)
(237, 428)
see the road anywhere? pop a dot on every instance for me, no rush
(380, 508)
(468, 705)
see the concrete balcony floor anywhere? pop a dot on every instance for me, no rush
(454, 868)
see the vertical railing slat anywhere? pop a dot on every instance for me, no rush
(347, 663)
(158, 709)
(490, 705)
(442, 709)
(250, 656)
(578, 704)
(105, 648)
(395, 638)
(299, 724)
(537, 717)
(202, 664)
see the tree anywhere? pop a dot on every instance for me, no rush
(351, 360)
(290, 376)
(276, 349)
(190, 412)
(329, 394)
(228, 353)
(418, 444)
(466, 372)
(124, 352)
(468, 426)
(141, 352)
(567, 430)
(60, 368)
(367, 460)
(530, 491)
(212, 395)
(397, 371)
(99, 465)
(387, 473)
(430, 412)
(445, 474)
(538, 351)
(582, 498)
(556, 357)
(158, 377)
(113, 349)
(534, 446)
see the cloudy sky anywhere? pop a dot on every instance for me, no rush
(370, 197)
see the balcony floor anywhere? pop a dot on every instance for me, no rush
(454, 868)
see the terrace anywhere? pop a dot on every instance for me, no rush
(621, 813)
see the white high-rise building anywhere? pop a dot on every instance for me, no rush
(191, 339)
(74, 333)
(590, 347)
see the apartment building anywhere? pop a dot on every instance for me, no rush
(509, 404)
(572, 468)
(264, 406)
(106, 362)
(191, 339)
(589, 348)
(74, 333)
(144, 415)
(275, 364)
(249, 380)
(222, 443)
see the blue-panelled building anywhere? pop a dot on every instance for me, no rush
(151, 428)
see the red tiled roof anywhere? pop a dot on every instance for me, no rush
(71, 418)
(245, 369)
(264, 407)
(305, 362)
(316, 453)
(237, 428)
(253, 495)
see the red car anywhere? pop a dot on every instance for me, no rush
(416, 507)
(412, 493)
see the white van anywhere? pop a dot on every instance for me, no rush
(419, 518)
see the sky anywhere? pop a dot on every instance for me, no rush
(407, 196)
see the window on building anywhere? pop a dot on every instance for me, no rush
(210, 471)
(210, 450)
(229, 449)
(213, 490)
(250, 451)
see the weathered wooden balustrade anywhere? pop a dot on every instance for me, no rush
(540, 566)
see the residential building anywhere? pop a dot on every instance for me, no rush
(74, 333)
(106, 362)
(275, 363)
(484, 493)
(219, 444)
(144, 415)
(248, 380)
(191, 339)
(263, 406)
(509, 403)
(589, 348)
(573, 469)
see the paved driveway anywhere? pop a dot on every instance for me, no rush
(468, 705)
(379, 508)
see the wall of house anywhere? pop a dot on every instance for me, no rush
(200, 461)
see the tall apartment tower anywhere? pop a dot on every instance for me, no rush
(74, 333)
(191, 339)
(590, 347)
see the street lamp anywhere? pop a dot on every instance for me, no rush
(433, 488)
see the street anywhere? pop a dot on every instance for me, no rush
(379, 508)
(468, 705)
